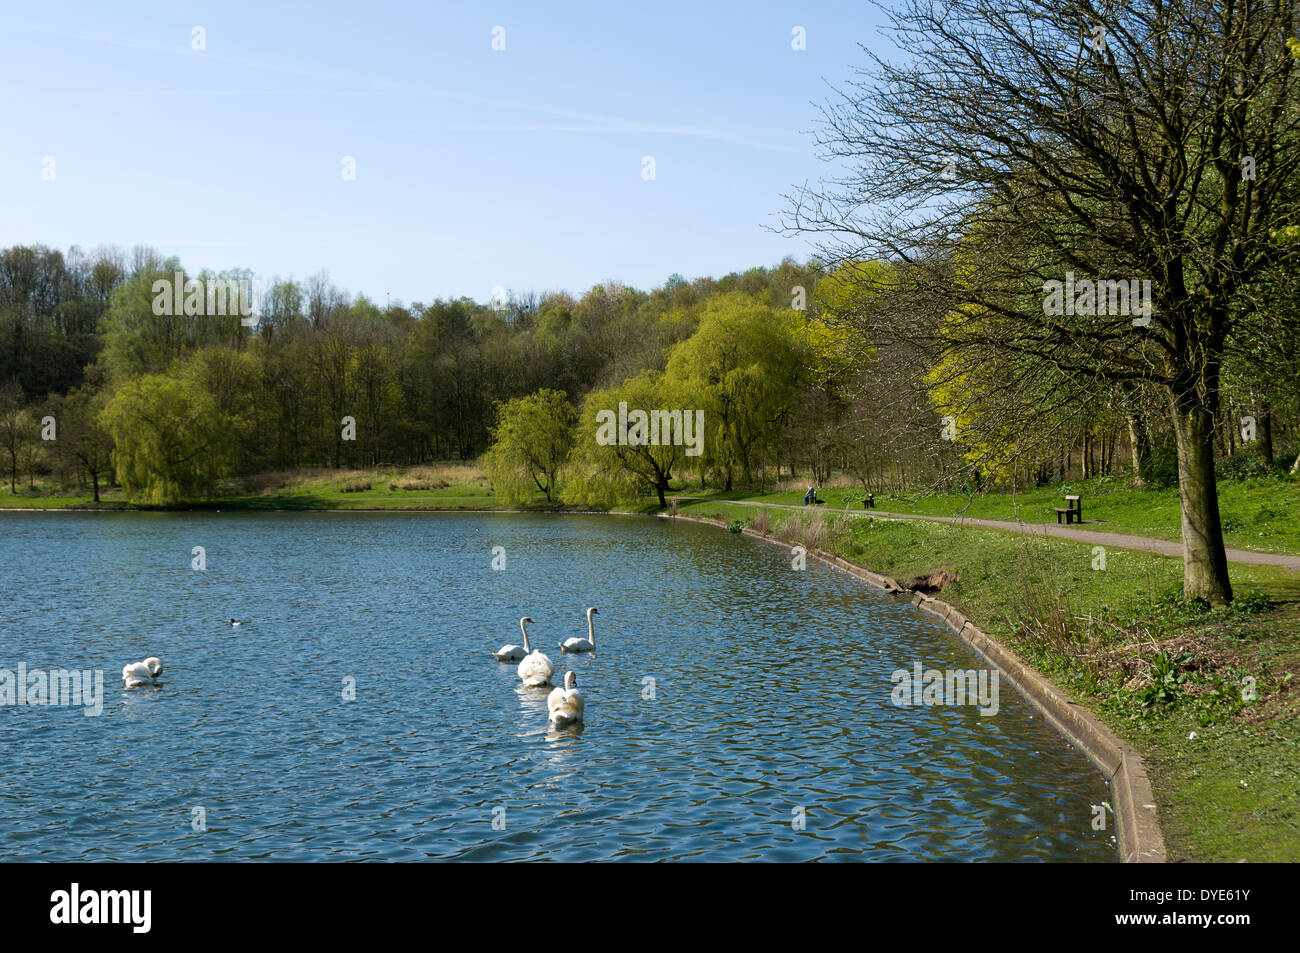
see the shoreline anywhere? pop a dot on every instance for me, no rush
(1139, 834)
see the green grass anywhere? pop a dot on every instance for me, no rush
(1259, 513)
(25, 501)
(324, 490)
(1113, 622)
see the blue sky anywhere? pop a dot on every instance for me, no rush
(475, 168)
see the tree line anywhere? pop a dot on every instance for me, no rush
(176, 407)
(1018, 146)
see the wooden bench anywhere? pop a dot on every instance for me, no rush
(869, 501)
(1073, 511)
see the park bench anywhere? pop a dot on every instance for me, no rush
(1073, 510)
(869, 501)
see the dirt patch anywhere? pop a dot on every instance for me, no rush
(934, 581)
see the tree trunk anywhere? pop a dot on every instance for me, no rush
(1140, 446)
(1205, 564)
(94, 479)
(1266, 435)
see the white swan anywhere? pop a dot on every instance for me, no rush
(565, 704)
(141, 674)
(583, 645)
(536, 668)
(512, 652)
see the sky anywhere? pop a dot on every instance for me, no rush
(476, 168)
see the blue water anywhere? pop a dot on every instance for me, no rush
(771, 700)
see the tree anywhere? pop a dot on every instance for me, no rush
(81, 442)
(1134, 142)
(743, 367)
(15, 427)
(530, 445)
(172, 444)
(612, 466)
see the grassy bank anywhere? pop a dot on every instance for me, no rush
(444, 487)
(1259, 513)
(451, 486)
(1167, 677)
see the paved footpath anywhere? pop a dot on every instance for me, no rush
(1095, 537)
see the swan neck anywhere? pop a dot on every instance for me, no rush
(591, 631)
(524, 628)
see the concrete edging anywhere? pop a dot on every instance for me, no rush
(1140, 839)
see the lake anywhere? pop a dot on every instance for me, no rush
(736, 709)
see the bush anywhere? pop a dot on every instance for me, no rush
(1240, 467)
(1166, 681)
(1160, 468)
(356, 486)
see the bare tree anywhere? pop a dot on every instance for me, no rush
(15, 425)
(1017, 141)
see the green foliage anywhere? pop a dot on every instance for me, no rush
(531, 444)
(1249, 603)
(137, 340)
(1240, 467)
(172, 444)
(744, 367)
(1160, 468)
(605, 473)
(1166, 678)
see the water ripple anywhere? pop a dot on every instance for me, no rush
(771, 697)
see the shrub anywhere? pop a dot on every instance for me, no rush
(1240, 467)
(1166, 682)
(1160, 468)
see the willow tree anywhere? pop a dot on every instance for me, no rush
(1115, 141)
(745, 368)
(171, 443)
(530, 445)
(621, 452)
